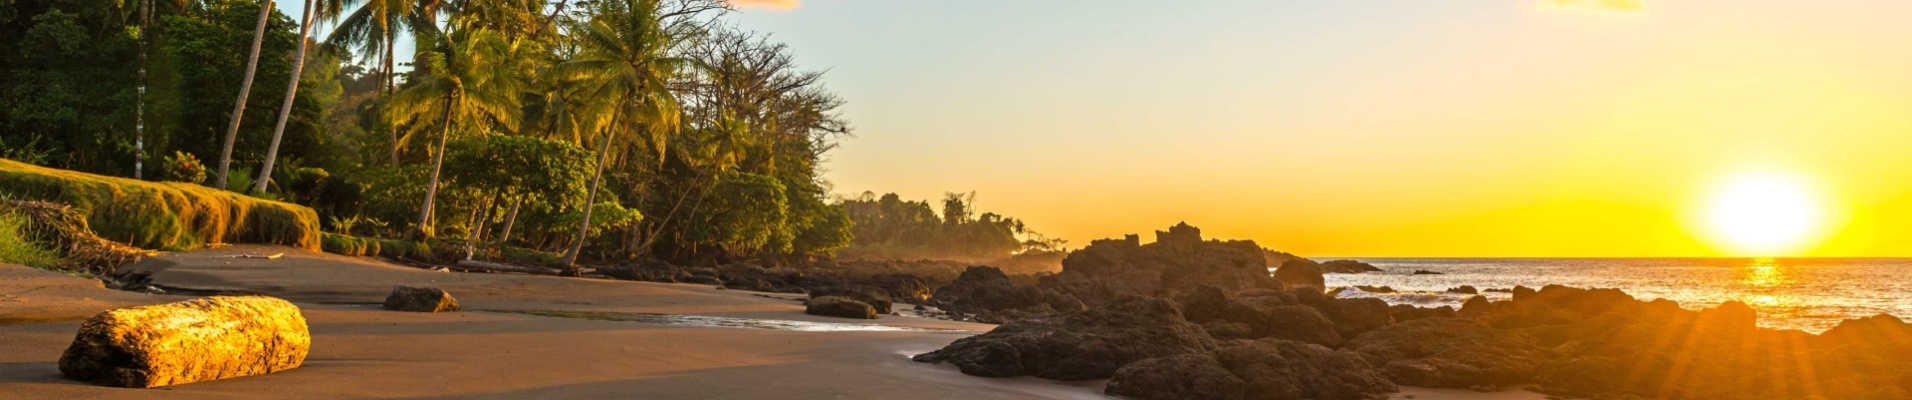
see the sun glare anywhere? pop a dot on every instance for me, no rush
(1764, 214)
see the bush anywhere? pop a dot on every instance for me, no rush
(16, 247)
(184, 167)
(163, 215)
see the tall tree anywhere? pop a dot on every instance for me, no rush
(626, 57)
(245, 88)
(285, 109)
(467, 80)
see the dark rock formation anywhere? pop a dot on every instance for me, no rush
(420, 299)
(1463, 289)
(1427, 272)
(991, 297)
(877, 299)
(1266, 369)
(1301, 272)
(832, 306)
(1405, 313)
(1087, 345)
(189, 341)
(1352, 317)
(911, 285)
(1449, 352)
(1254, 315)
(1178, 262)
(1347, 267)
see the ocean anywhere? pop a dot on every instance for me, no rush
(1810, 294)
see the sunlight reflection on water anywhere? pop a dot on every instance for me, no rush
(1810, 294)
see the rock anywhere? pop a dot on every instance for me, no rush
(1352, 317)
(1405, 313)
(420, 299)
(1426, 272)
(1347, 267)
(1464, 289)
(1375, 289)
(189, 341)
(1449, 353)
(876, 298)
(908, 288)
(1087, 345)
(1301, 272)
(1177, 263)
(1258, 370)
(982, 288)
(832, 306)
(1255, 317)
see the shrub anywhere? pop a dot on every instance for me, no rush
(16, 247)
(163, 215)
(184, 167)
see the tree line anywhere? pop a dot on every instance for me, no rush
(591, 128)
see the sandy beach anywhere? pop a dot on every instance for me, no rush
(361, 351)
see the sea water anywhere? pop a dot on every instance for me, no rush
(1810, 294)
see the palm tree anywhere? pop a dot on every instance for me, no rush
(245, 88)
(372, 29)
(467, 79)
(625, 58)
(328, 9)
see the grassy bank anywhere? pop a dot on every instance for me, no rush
(440, 251)
(163, 215)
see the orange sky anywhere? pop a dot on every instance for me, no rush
(1383, 128)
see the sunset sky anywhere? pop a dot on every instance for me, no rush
(1377, 128)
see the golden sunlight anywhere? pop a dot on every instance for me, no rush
(1764, 214)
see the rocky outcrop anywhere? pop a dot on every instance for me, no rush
(1257, 370)
(1301, 272)
(1405, 313)
(1347, 267)
(189, 341)
(842, 307)
(1352, 317)
(989, 296)
(1449, 352)
(1258, 314)
(1177, 263)
(877, 299)
(1087, 345)
(420, 299)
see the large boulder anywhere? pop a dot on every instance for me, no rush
(1177, 263)
(420, 299)
(878, 299)
(189, 341)
(1254, 315)
(1301, 272)
(1087, 345)
(985, 288)
(1352, 317)
(1449, 352)
(1258, 370)
(1347, 267)
(844, 307)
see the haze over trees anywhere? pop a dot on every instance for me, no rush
(596, 129)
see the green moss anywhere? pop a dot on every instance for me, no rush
(17, 248)
(163, 215)
(524, 256)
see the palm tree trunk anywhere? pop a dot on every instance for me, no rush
(285, 110)
(431, 186)
(511, 219)
(604, 157)
(389, 88)
(245, 88)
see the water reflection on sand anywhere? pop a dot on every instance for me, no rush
(724, 322)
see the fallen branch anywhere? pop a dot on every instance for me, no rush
(496, 267)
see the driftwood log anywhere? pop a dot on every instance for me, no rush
(189, 341)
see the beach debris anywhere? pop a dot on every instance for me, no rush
(273, 256)
(1266, 369)
(834, 306)
(474, 265)
(1091, 344)
(189, 341)
(420, 299)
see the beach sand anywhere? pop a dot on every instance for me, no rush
(361, 351)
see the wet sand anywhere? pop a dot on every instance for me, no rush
(593, 351)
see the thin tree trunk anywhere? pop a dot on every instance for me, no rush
(389, 88)
(511, 219)
(604, 157)
(285, 110)
(245, 88)
(139, 108)
(431, 185)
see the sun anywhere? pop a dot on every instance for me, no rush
(1764, 214)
